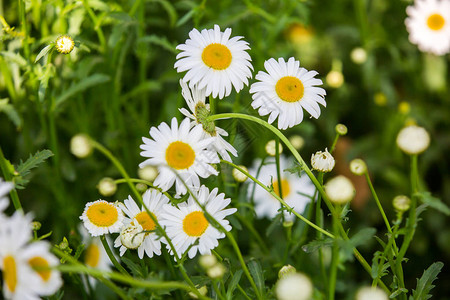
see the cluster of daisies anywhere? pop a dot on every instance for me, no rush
(187, 151)
(26, 264)
(428, 24)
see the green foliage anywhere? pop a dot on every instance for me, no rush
(433, 202)
(425, 283)
(24, 168)
(257, 273)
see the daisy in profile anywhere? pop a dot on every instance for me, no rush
(5, 187)
(428, 24)
(102, 217)
(154, 200)
(182, 150)
(215, 61)
(200, 113)
(187, 225)
(285, 90)
(296, 191)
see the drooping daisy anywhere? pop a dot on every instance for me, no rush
(154, 200)
(285, 91)
(200, 113)
(187, 223)
(5, 187)
(296, 191)
(182, 150)
(101, 217)
(215, 61)
(428, 24)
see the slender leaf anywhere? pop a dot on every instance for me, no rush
(257, 274)
(24, 168)
(317, 244)
(43, 52)
(233, 284)
(434, 202)
(425, 283)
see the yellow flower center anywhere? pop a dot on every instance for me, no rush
(92, 255)
(435, 22)
(290, 89)
(146, 221)
(217, 56)
(40, 262)
(195, 223)
(285, 188)
(180, 155)
(10, 273)
(102, 214)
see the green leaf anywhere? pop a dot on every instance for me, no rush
(317, 244)
(233, 284)
(425, 283)
(11, 112)
(362, 236)
(24, 168)
(135, 269)
(80, 86)
(275, 222)
(170, 11)
(160, 41)
(43, 52)
(434, 202)
(398, 292)
(257, 274)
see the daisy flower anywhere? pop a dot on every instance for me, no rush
(215, 61)
(5, 187)
(154, 200)
(285, 91)
(101, 217)
(187, 224)
(428, 24)
(179, 149)
(296, 191)
(200, 113)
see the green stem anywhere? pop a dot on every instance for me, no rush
(216, 289)
(97, 28)
(335, 255)
(146, 182)
(8, 177)
(333, 146)
(111, 256)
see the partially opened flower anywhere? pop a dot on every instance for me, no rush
(187, 225)
(428, 24)
(154, 200)
(285, 90)
(102, 217)
(296, 191)
(215, 61)
(179, 151)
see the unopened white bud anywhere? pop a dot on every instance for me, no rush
(340, 190)
(270, 148)
(132, 236)
(322, 161)
(341, 129)
(64, 44)
(238, 175)
(358, 55)
(401, 203)
(295, 286)
(371, 293)
(207, 261)
(358, 166)
(286, 270)
(148, 173)
(107, 187)
(80, 146)
(413, 139)
(216, 272)
(335, 79)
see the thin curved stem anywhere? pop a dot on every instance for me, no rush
(111, 256)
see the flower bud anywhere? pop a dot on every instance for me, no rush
(322, 161)
(238, 175)
(36, 225)
(64, 44)
(340, 190)
(295, 286)
(285, 271)
(341, 129)
(216, 272)
(371, 293)
(270, 148)
(297, 141)
(148, 173)
(203, 290)
(413, 139)
(207, 261)
(335, 79)
(107, 187)
(80, 146)
(358, 55)
(358, 166)
(401, 203)
(132, 236)
(141, 187)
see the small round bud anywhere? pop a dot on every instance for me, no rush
(404, 107)
(380, 99)
(270, 148)
(80, 146)
(107, 187)
(294, 287)
(202, 291)
(371, 293)
(358, 55)
(335, 79)
(285, 271)
(401, 203)
(358, 166)
(148, 173)
(238, 175)
(413, 139)
(207, 261)
(297, 141)
(322, 161)
(340, 190)
(64, 245)
(64, 44)
(132, 236)
(341, 129)
(141, 187)
(216, 272)
(36, 225)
